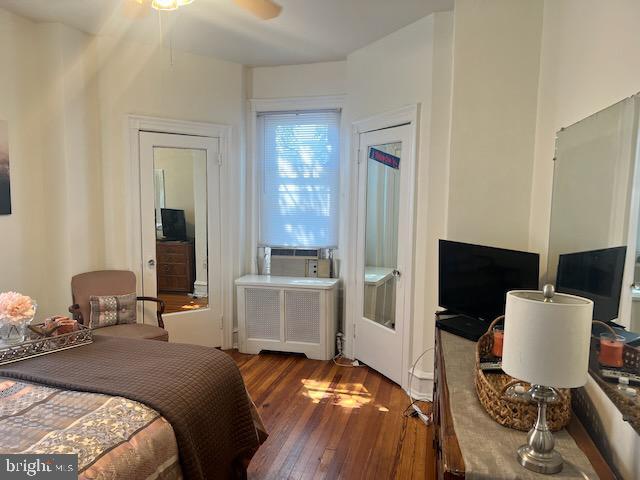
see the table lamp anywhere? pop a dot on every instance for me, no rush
(546, 343)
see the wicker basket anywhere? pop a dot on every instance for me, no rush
(511, 412)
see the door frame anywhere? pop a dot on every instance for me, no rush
(138, 123)
(407, 115)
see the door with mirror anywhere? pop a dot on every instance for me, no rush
(384, 222)
(180, 223)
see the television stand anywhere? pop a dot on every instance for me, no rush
(461, 325)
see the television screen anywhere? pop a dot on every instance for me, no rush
(474, 279)
(596, 275)
(174, 226)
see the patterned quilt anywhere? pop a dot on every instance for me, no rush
(113, 437)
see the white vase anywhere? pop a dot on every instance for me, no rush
(14, 331)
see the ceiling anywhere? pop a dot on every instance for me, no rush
(307, 30)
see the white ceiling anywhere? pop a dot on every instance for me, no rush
(306, 31)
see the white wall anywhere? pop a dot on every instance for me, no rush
(495, 86)
(23, 236)
(72, 163)
(48, 97)
(308, 80)
(589, 60)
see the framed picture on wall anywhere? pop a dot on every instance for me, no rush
(5, 182)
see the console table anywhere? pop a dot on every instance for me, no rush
(470, 445)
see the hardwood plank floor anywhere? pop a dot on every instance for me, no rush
(331, 422)
(181, 302)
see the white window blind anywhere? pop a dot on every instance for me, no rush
(300, 178)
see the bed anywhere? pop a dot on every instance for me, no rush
(112, 436)
(132, 409)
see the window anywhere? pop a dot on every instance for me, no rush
(299, 165)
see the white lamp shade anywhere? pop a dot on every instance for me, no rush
(547, 343)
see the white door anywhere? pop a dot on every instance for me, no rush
(180, 222)
(384, 228)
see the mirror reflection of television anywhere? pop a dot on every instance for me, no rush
(174, 226)
(475, 279)
(596, 275)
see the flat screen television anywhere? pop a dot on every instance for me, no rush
(596, 275)
(174, 226)
(475, 279)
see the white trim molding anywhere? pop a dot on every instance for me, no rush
(200, 289)
(421, 385)
(228, 208)
(393, 118)
(325, 102)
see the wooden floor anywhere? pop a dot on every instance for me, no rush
(181, 302)
(326, 421)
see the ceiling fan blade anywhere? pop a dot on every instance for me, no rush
(264, 9)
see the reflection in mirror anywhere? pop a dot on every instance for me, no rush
(591, 202)
(381, 233)
(181, 227)
(158, 183)
(594, 240)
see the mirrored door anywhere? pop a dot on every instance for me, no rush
(384, 251)
(181, 233)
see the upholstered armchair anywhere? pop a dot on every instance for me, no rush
(113, 282)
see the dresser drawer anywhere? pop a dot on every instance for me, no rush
(174, 283)
(173, 249)
(172, 269)
(166, 258)
(175, 266)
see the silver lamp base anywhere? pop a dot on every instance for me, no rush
(547, 463)
(538, 454)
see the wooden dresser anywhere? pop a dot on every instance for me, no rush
(175, 266)
(450, 462)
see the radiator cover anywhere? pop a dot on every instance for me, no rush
(288, 314)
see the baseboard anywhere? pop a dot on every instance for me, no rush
(421, 385)
(200, 289)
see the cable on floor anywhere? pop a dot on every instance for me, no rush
(413, 409)
(354, 363)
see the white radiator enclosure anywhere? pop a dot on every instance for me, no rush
(287, 314)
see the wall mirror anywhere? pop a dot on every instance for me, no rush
(180, 183)
(593, 242)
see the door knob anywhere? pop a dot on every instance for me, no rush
(395, 273)
(151, 263)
